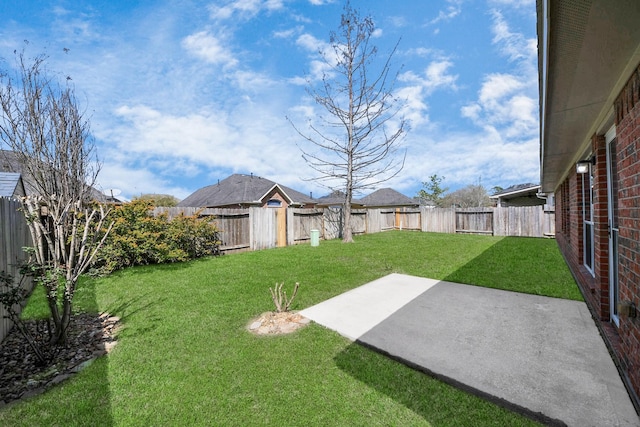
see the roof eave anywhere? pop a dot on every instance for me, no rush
(586, 54)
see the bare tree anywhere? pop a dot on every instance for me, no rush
(471, 196)
(41, 124)
(356, 143)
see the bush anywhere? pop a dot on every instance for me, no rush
(139, 238)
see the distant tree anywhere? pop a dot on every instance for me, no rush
(432, 190)
(496, 190)
(162, 200)
(471, 196)
(40, 121)
(357, 94)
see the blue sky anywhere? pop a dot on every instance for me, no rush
(184, 93)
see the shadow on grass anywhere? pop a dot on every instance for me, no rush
(89, 392)
(436, 402)
(85, 395)
(517, 264)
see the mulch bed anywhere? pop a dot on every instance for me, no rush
(21, 376)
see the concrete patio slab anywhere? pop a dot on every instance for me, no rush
(538, 355)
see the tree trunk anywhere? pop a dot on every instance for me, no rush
(347, 235)
(60, 337)
(55, 317)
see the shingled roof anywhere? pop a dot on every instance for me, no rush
(11, 185)
(520, 195)
(10, 162)
(336, 198)
(387, 197)
(242, 190)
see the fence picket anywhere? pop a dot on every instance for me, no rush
(14, 235)
(256, 228)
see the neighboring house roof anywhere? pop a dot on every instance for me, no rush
(10, 162)
(11, 185)
(245, 190)
(517, 190)
(520, 194)
(336, 198)
(387, 197)
(586, 55)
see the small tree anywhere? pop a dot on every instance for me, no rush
(41, 123)
(358, 96)
(496, 189)
(432, 191)
(163, 200)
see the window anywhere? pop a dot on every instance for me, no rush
(587, 217)
(565, 208)
(274, 203)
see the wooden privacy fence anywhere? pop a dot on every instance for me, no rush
(262, 228)
(525, 221)
(14, 235)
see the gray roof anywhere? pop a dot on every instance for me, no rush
(11, 184)
(516, 190)
(11, 162)
(387, 197)
(335, 198)
(239, 189)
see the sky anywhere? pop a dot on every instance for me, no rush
(183, 93)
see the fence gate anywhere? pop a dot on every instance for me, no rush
(264, 228)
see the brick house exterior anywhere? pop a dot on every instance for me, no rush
(589, 64)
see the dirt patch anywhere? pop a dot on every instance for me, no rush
(273, 323)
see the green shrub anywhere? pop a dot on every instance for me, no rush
(139, 238)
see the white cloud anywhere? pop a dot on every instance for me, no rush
(286, 34)
(515, 3)
(310, 43)
(514, 45)
(414, 108)
(321, 2)
(451, 11)
(503, 104)
(466, 157)
(249, 138)
(435, 76)
(419, 51)
(210, 48)
(75, 27)
(398, 21)
(134, 181)
(320, 54)
(245, 9)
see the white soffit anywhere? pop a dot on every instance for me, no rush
(593, 46)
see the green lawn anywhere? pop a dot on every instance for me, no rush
(185, 357)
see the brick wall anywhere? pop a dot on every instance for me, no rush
(274, 195)
(628, 151)
(625, 339)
